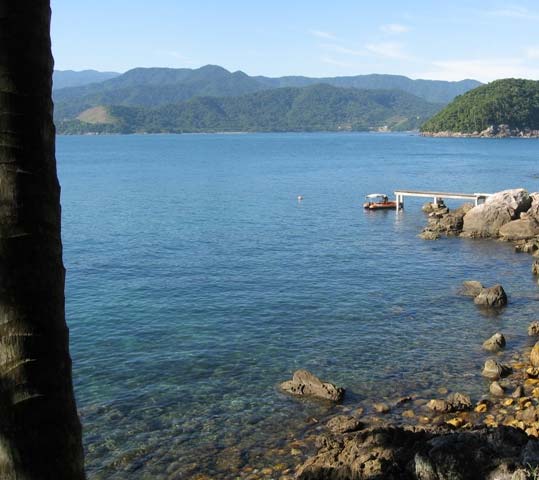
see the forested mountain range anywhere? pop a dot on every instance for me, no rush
(211, 98)
(313, 108)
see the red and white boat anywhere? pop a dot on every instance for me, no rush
(379, 201)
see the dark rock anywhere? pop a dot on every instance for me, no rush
(471, 288)
(492, 297)
(304, 383)
(344, 424)
(494, 371)
(495, 343)
(530, 454)
(404, 453)
(535, 267)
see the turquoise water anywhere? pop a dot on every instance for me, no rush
(196, 282)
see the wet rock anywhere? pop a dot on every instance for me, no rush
(494, 370)
(533, 329)
(344, 424)
(306, 384)
(459, 402)
(496, 389)
(534, 355)
(521, 229)
(437, 405)
(518, 392)
(532, 372)
(406, 453)
(487, 219)
(443, 221)
(491, 297)
(471, 288)
(381, 407)
(429, 235)
(528, 415)
(495, 343)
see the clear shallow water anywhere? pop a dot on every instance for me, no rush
(196, 282)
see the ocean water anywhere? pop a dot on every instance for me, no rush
(196, 282)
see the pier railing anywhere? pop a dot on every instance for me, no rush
(439, 196)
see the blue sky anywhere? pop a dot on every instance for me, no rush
(453, 40)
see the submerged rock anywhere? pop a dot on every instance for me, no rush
(304, 383)
(491, 297)
(471, 288)
(381, 407)
(495, 343)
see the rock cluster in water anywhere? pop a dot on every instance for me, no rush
(454, 438)
(511, 215)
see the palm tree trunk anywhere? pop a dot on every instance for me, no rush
(40, 433)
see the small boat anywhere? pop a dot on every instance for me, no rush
(379, 201)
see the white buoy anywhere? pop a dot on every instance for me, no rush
(300, 198)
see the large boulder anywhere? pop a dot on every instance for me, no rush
(305, 384)
(491, 297)
(404, 453)
(521, 229)
(533, 211)
(485, 220)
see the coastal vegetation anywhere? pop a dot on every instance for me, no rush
(314, 108)
(152, 87)
(511, 103)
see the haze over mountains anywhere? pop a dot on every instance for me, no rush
(163, 99)
(70, 78)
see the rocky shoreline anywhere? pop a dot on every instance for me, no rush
(451, 437)
(494, 131)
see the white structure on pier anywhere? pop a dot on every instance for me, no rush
(438, 196)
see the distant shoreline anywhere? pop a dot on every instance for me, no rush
(534, 135)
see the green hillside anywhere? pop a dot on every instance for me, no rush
(511, 102)
(156, 87)
(314, 108)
